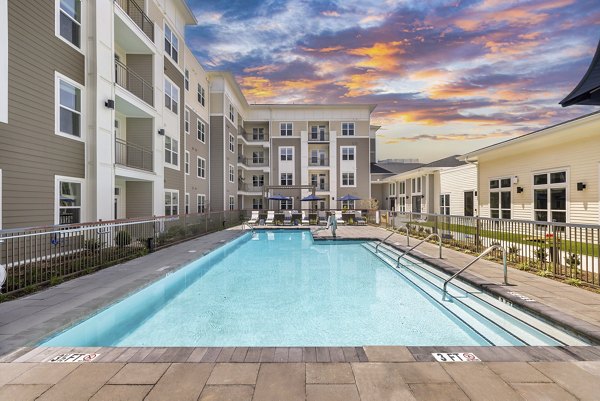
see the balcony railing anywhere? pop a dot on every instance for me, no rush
(321, 187)
(251, 162)
(318, 137)
(312, 161)
(130, 80)
(250, 188)
(132, 155)
(250, 137)
(138, 16)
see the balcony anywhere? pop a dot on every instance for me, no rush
(128, 79)
(132, 155)
(250, 188)
(318, 162)
(252, 162)
(318, 137)
(138, 16)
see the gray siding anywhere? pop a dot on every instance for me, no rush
(139, 199)
(142, 65)
(217, 168)
(362, 168)
(139, 131)
(175, 179)
(231, 158)
(30, 152)
(196, 148)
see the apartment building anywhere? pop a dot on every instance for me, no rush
(106, 114)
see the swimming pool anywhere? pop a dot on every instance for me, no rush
(282, 288)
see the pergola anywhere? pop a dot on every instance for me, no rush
(588, 90)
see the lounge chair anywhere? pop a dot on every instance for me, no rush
(338, 217)
(253, 217)
(360, 220)
(270, 217)
(322, 218)
(287, 218)
(305, 219)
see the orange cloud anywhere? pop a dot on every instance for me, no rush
(262, 69)
(323, 50)
(263, 89)
(452, 137)
(382, 56)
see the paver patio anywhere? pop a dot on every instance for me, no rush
(308, 373)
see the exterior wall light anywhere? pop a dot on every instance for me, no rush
(110, 104)
(519, 190)
(581, 186)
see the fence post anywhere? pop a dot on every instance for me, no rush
(553, 251)
(477, 234)
(436, 224)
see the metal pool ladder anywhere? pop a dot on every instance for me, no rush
(420, 242)
(490, 249)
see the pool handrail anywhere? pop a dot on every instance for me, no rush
(482, 254)
(382, 241)
(420, 242)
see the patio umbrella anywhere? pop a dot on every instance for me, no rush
(311, 198)
(348, 198)
(279, 197)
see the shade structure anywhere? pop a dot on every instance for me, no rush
(587, 92)
(348, 198)
(279, 197)
(311, 198)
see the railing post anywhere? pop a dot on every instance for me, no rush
(477, 234)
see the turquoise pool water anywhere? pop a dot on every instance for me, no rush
(277, 288)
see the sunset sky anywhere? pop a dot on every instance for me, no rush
(448, 76)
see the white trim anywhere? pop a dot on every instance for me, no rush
(353, 153)
(186, 121)
(342, 179)
(566, 185)
(170, 164)
(186, 162)
(342, 128)
(200, 121)
(82, 129)
(170, 94)
(231, 174)
(198, 158)
(231, 144)
(231, 205)
(179, 54)
(286, 122)
(171, 191)
(82, 33)
(3, 62)
(198, 203)
(499, 190)
(186, 203)
(82, 211)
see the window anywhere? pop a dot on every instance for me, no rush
(231, 203)
(318, 158)
(317, 133)
(231, 143)
(231, 173)
(286, 153)
(287, 179)
(258, 181)
(171, 96)
(187, 162)
(201, 168)
(416, 203)
(258, 157)
(258, 134)
(201, 204)
(231, 113)
(445, 204)
(469, 207)
(416, 185)
(550, 196)
(257, 203)
(171, 202)
(201, 95)
(347, 152)
(402, 188)
(500, 198)
(69, 106)
(69, 202)
(347, 129)
(392, 189)
(186, 121)
(285, 129)
(202, 131)
(187, 203)
(171, 151)
(186, 80)
(348, 205)
(69, 22)
(171, 44)
(286, 204)
(347, 179)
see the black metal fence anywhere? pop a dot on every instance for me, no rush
(132, 155)
(138, 16)
(570, 251)
(134, 83)
(47, 255)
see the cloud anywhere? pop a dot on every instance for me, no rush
(451, 137)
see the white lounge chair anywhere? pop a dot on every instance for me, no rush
(270, 217)
(287, 217)
(253, 217)
(338, 217)
(360, 220)
(305, 219)
(322, 218)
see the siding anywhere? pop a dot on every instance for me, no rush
(577, 152)
(139, 199)
(195, 185)
(30, 152)
(139, 131)
(142, 65)
(456, 182)
(363, 175)
(230, 158)
(216, 163)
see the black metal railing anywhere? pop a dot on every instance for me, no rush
(138, 16)
(132, 155)
(134, 83)
(250, 188)
(318, 137)
(318, 161)
(565, 250)
(253, 162)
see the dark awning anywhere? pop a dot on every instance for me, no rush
(588, 90)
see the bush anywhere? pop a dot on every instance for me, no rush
(513, 253)
(123, 238)
(541, 254)
(573, 261)
(91, 244)
(573, 281)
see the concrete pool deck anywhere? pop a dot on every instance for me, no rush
(348, 373)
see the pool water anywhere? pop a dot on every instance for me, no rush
(277, 288)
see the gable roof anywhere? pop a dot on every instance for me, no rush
(588, 90)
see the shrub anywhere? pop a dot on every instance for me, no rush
(541, 255)
(573, 281)
(91, 244)
(524, 266)
(573, 261)
(545, 273)
(513, 253)
(123, 238)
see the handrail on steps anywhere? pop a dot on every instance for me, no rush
(382, 241)
(488, 250)
(420, 242)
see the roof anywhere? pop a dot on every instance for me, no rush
(446, 162)
(588, 90)
(190, 18)
(525, 137)
(377, 169)
(397, 168)
(228, 76)
(450, 161)
(370, 106)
